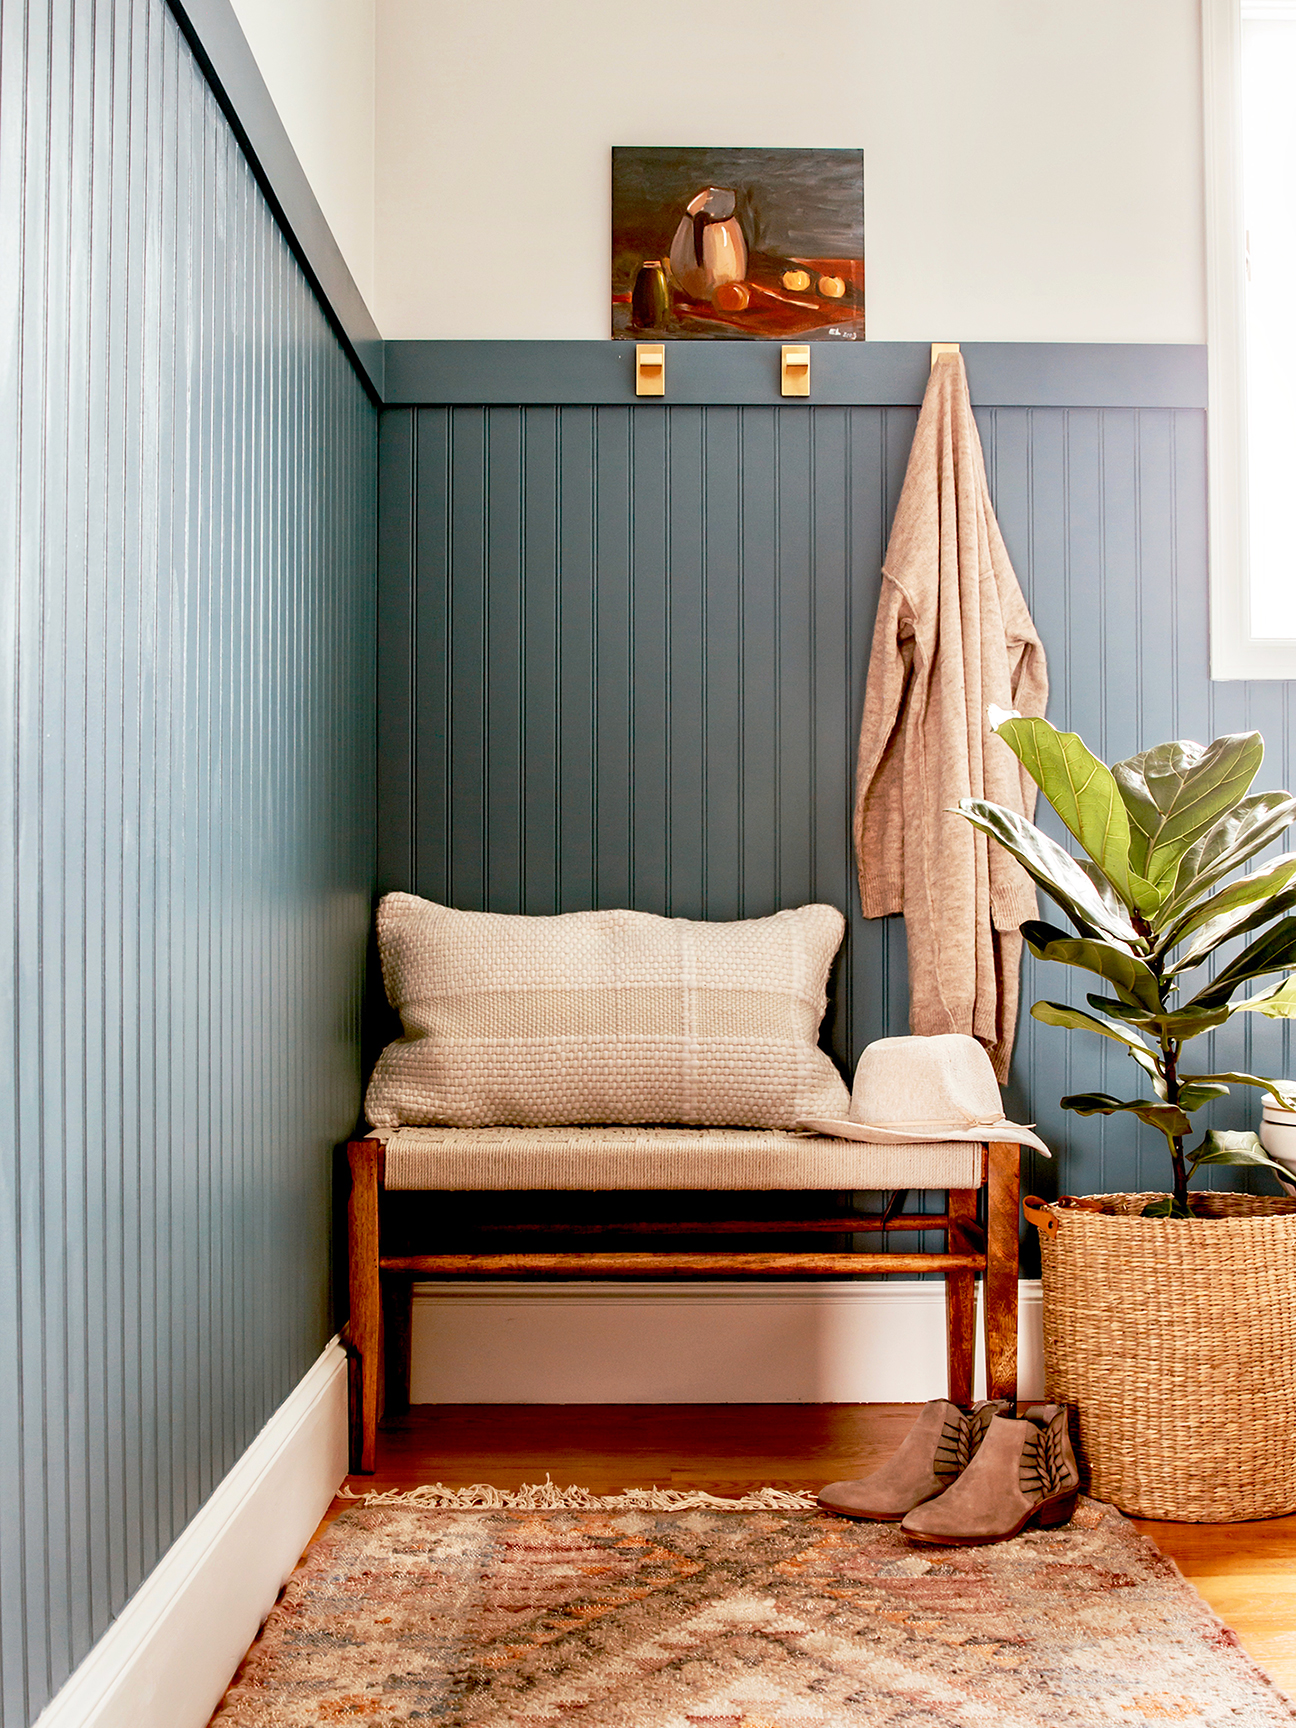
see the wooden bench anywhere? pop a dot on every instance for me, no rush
(979, 1223)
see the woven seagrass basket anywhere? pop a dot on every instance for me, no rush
(1174, 1342)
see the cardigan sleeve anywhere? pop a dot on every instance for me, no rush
(1013, 898)
(879, 789)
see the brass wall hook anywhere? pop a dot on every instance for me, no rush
(796, 369)
(650, 369)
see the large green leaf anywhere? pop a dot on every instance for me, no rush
(1167, 1117)
(1234, 1147)
(1190, 1023)
(1246, 830)
(1196, 1094)
(1122, 1010)
(1087, 1020)
(1263, 884)
(1287, 1099)
(1278, 1002)
(1274, 952)
(1077, 1020)
(1175, 792)
(1054, 869)
(1176, 1023)
(1132, 977)
(1239, 921)
(1085, 795)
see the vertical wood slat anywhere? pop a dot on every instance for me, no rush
(187, 482)
(715, 574)
(960, 1301)
(999, 1295)
(366, 1317)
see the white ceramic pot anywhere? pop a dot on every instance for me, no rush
(1278, 1137)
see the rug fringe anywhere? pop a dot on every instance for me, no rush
(547, 1496)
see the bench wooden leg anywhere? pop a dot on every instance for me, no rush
(366, 1301)
(960, 1300)
(1000, 1295)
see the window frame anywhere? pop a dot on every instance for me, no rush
(1234, 651)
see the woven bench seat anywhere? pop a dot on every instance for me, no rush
(979, 1222)
(682, 1158)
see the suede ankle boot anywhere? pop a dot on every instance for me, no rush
(1024, 1472)
(929, 1458)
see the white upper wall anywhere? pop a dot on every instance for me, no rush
(1033, 168)
(317, 59)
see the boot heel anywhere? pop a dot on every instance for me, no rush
(1055, 1512)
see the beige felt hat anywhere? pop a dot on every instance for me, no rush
(916, 1089)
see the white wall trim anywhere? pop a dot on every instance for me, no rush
(171, 1652)
(1234, 651)
(1230, 628)
(715, 1343)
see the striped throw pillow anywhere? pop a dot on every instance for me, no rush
(616, 1017)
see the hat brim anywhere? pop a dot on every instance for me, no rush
(840, 1129)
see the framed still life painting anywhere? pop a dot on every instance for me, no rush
(741, 244)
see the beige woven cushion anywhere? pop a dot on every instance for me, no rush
(675, 1158)
(618, 1017)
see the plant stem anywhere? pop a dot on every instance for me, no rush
(1170, 1064)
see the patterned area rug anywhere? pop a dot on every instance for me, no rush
(626, 1616)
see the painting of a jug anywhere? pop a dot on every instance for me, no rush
(757, 245)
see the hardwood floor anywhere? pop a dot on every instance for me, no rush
(1246, 1572)
(725, 1448)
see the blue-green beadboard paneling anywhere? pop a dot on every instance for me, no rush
(187, 546)
(622, 661)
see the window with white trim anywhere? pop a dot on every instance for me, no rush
(1250, 89)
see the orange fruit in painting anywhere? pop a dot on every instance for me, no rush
(731, 297)
(832, 287)
(796, 281)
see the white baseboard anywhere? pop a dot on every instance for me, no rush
(660, 1343)
(171, 1652)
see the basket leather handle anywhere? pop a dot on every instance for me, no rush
(1040, 1213)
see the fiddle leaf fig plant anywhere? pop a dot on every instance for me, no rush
(1149, 904)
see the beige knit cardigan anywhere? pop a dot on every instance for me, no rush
(953, 637)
